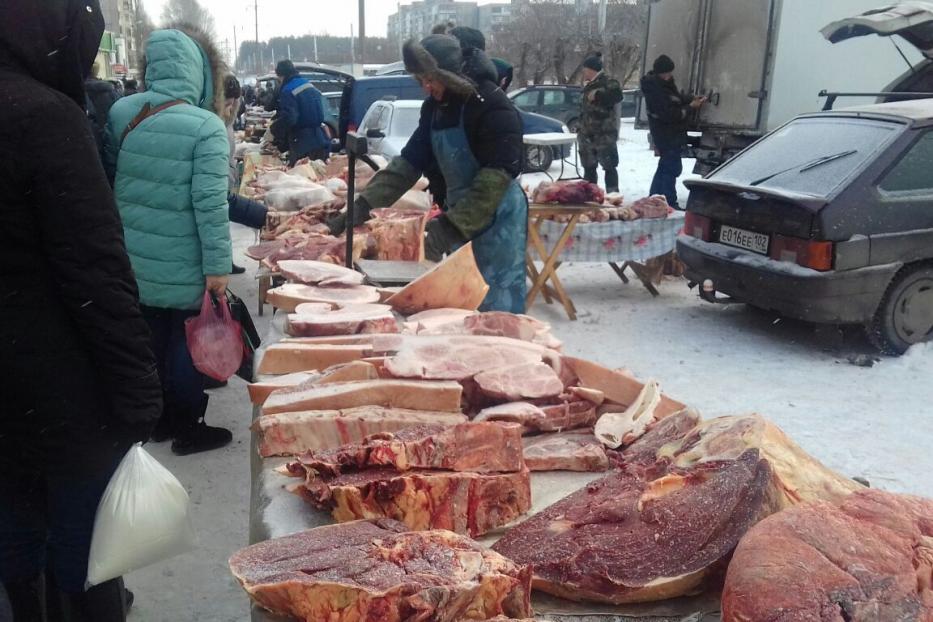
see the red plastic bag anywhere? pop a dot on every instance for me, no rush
(215, 339)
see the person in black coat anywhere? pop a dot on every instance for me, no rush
(668, 114)
(79, 381)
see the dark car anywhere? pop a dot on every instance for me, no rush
(361, 93)
(563, 102)
(828, 219)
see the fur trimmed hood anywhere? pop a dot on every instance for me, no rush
(421, 62)
(181, 61)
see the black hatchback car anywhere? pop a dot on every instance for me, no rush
(827, 219)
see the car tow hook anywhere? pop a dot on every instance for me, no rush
(708, 293)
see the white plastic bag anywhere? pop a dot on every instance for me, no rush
(143, 518)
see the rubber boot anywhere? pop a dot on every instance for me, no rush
(196, 436)
(612, 180)
(102, 603)
(25, 598)
(590, 175)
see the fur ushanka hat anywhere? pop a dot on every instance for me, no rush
(438, 57)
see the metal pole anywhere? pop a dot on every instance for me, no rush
(351, 207)
(256, 13)
(603, 5)
(362, 32)
(315, 50)
(236, 50)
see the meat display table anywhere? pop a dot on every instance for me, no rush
(556, 141)
(623, 245)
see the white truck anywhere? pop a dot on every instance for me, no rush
(762, 62)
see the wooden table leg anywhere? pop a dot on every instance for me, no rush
(550, 261)
(641, 271)
(619, 271)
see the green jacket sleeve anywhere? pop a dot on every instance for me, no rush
(209, 197)
(475, 211)
(388, 185)
(611, 95)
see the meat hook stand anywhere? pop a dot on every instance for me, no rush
(356, 150)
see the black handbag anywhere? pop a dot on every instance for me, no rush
(251, 340)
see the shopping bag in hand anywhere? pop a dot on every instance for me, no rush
(143, 518)
(215, 339)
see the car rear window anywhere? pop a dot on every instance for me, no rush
(810, 156)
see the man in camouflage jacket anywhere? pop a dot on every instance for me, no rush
(599, 123)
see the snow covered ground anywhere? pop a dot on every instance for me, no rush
(872, 422)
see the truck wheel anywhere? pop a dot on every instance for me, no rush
(905, 315)
(538, 158)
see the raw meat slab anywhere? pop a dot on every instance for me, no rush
(288, 296)
(290, 434)
(319, 273)
(565, 451)
(519, 382)
(534, 419)
(412, 394)
(455, 282)
(290, 357)
(376, 571)
(477, 447)
(355, 319)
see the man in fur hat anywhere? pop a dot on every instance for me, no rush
(471, 135)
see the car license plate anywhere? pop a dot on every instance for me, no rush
(741, 238)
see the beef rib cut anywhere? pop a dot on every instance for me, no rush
(623, 540)
(478, 447)
(291, 434)
(466, 503)
(869, 559)
(376, 571)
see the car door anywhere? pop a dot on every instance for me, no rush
(554, 104)
(529, 100)
(375, 122)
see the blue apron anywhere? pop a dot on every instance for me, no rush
(500, 247)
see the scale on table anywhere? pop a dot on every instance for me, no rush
(379, 273)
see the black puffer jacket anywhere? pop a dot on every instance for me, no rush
(668, 112)
(76, 367)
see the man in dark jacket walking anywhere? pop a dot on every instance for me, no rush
(668, 112)
(79, 380)
(598, 136)
(301, 115)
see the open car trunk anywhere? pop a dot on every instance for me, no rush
(913, 21)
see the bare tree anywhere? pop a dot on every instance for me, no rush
(189, 12)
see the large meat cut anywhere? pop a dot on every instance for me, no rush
(287, 358)
(463, 502)
(643, 453)
(622, 539)
(869, 559)
(797, 476)
(479, 447)
(319, 273)
(416, 395)
(399, 233)
(288, 296)
(290, 434)
(350, 320)
(568, 193)
(577, 450)
(376, 571)
(458, 357)
(456, 282)
(357, 370)
(519, 382)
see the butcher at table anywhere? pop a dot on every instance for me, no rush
(469, 145)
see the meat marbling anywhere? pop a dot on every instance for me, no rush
(376, 571)
(519, 382)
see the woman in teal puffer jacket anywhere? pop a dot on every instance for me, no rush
(171, 189)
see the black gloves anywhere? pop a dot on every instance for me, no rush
(442, 238)
(338, 224)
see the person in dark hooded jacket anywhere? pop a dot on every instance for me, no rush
(79, 378)
(470, 134)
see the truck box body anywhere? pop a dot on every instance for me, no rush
(764, 62)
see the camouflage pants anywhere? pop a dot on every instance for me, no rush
(599, 149)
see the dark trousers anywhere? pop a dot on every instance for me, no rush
(246, 212)
(46, 523)
(316, 154)
(182, 384)
(670, 168)
(602, 151)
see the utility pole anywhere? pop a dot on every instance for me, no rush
(352, 53)
(602, 17)
(236, 50)
(315, 50)
(256, 14)
(362, 31)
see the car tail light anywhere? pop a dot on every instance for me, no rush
(697, 226)
(808, 253)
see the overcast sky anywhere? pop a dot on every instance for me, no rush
(291, 17)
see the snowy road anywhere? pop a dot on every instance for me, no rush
(871, 422)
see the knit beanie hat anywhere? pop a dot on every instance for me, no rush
(663, 64)
(594, 62)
